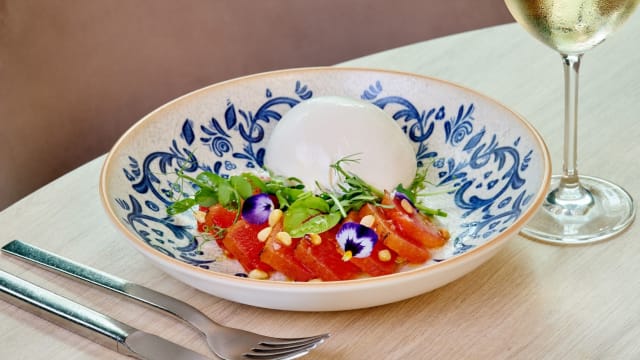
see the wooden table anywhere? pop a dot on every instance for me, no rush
(530, 301)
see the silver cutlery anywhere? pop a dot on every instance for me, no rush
(97, 327)
(228, 343)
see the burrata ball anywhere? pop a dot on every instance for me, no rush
(319, 132)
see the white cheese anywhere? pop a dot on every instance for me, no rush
(319, 132)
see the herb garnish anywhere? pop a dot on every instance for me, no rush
(304, 211)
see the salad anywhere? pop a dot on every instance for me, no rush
(274, 224)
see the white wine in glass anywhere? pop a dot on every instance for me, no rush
(579, 209)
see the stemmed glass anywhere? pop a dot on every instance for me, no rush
(579, 209)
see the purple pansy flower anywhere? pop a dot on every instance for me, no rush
(256, 208)
(356, 240)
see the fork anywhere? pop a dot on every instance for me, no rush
(226, 342)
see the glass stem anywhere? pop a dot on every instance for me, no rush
(571, 64)
(570, 198)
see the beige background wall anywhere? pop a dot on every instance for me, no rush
(75, 74)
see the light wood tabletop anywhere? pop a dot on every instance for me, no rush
(530, 301)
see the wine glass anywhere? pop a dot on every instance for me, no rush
(579, 209)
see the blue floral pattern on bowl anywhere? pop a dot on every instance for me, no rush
(485, 175)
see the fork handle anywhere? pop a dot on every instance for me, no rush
(101, 279)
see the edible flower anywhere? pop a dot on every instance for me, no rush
(356, 240)
(256, 208)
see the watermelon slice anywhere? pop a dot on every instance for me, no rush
(413, 252)
(325, 259)
(282, 258)
(241, 241)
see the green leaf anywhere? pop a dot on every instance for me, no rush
(255, 181)
(311, 202)
(316, 224)
(209, 179)
(242, 186)
(206, 197)
(303, 210)
(282, 200)
(286, 196)
(180, 206)
(293, 193)
(295, 217)
(226, 194)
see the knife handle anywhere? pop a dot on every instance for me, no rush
(140, 293)
(61, 311)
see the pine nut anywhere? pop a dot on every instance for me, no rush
(384, 255)
(200, 216)
(284, 238)
(275, 216)
(258, 274)
(368, 220)
(315, 239)
(406, 206)
(263, 234)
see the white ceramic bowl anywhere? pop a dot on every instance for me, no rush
(494, 164)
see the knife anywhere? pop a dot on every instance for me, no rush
(95, 326)
(147, 296)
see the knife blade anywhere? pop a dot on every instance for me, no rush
(91, 324)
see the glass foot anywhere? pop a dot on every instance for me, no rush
(599, 210)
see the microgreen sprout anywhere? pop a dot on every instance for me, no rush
(304, 211)
(416, 191)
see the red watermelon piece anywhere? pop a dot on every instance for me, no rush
(282, 258)
(412, 225)
(325, 259)
(372, 264)
(413, 252)
(241, 241)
